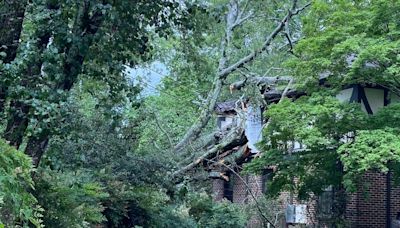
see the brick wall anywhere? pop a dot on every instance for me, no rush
(241, 194)
(218, 189)
(367, 206)
(285, 198)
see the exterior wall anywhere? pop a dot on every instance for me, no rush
(311, 204)
(367, 207)
(241, 195)
(218, 189)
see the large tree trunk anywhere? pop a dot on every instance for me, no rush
(87, 27)
(36, 148)
(18, 120)
(3, 97)
(11, 18)
(17, 123)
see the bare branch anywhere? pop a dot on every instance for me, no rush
(234, 135)
(225, 72)
(163, 130)
(257, 80)
(285, 91)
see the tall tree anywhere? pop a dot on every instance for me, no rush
(242, 50)
(11, 16)
(59, 38)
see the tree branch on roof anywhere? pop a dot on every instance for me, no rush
(233, 17)
(258, 80)
(234, 135)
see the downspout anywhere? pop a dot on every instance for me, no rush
(388, 203)
(386, 101)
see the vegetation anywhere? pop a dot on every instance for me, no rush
(83, 146)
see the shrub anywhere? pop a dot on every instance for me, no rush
(18, 207)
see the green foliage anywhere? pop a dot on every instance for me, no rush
(216, 215)
(334, 31)
(318, 122)
(18, 207)
(69, 199)
(371, 150)
(346, 42)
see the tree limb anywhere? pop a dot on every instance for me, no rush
(257, 80)
(163, 130)
(285, 91)
(223, 72)
(231, 137)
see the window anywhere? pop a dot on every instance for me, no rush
(325, 203)
(266, 177)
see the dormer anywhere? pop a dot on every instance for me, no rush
(226, 115)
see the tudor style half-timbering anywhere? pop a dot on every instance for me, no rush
(374, 207)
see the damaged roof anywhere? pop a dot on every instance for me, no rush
(227, 107)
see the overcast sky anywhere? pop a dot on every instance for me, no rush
(149, 76)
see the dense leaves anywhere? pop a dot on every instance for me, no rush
(344, 42)
(102, 151)
(17, 204)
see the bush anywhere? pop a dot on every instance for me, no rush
(70, 199)
(216, 215)
(18, 207)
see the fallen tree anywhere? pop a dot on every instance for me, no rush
(234, 18)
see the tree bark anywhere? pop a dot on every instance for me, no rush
(257, 80)
(229, 141)
(233, 19)
(36, 148)
(11, 17)
(17, 123)
(18, 120)
(87, 27)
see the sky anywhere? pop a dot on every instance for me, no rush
(149, 76)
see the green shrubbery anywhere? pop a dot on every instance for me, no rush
(18, 207)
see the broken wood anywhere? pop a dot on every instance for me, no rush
(230, 141)
(233, 19)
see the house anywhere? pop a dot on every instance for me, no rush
(373, 206)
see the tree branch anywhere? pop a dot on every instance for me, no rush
(285, 91)
(257, 80)
(225, 72)
(231, 137)
(163, 130)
